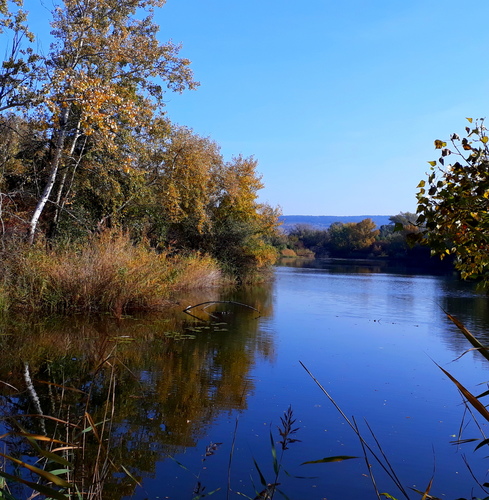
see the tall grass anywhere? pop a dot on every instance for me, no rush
(73, 448)
(107, 273)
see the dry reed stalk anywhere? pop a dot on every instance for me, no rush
(106, 273)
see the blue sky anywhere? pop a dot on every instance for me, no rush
(340, 102)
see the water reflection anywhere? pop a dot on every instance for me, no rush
(366, 266)
(170, 376)
(371, 338)
(367, 333)
(335, 266)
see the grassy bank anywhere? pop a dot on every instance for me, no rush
(107, 273)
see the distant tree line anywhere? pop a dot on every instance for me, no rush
(394, 241)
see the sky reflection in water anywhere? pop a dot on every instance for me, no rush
(370, 337)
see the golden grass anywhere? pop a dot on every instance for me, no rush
(106, 273)
(287, 252)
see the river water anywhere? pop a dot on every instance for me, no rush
(199, 399)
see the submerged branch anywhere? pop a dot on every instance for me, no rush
(210, 302)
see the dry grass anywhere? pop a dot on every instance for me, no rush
(287, 252)
(107, 273)
(196, 271)
(304, 252)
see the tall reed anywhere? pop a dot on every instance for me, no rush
(106, 273)
(68, 431)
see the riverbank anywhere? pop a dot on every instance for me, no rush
(431, 265)
(107, 273)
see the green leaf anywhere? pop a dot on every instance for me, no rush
(131, 476)
(440, 144)
(45, 490)
(178, 463)
(40, 472)
(422, 183)
(58, 472)
(4, 494)
(207, 494)
(33, 438)
(55, 458)
(93, 427)
(263, 481)
(283, 494)
(338, 458)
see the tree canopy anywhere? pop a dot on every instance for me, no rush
(351, 237)
(86, 143)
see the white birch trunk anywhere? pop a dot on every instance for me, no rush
(63, 126)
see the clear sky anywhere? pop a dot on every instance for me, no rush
(340, 102)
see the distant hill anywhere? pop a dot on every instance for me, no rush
(324, 221)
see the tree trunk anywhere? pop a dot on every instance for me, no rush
(59, 204)
(60, 141)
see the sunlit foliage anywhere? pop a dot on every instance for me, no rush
(351, 237)
(359, 240)
(86, 145)
(453, 202)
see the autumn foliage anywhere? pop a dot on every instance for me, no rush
(86, 146)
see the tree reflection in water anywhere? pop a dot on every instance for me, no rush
(156, 381)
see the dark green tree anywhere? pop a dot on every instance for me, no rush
(453, 203)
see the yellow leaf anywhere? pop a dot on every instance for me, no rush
(484, 139)
(469, 120)
(432, 163)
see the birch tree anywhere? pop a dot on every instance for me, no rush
(106, 72)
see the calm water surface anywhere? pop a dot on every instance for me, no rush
(369, 336)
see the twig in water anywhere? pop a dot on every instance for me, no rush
(188, 308)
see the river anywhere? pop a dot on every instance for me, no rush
(198, 400)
